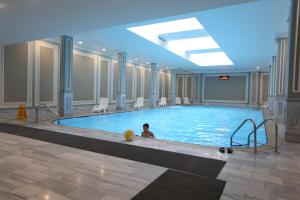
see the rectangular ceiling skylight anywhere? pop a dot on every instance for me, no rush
(152, 31)
(170, 26)
(211, 59)
(212, 54)
(199, 43)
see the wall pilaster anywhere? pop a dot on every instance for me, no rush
(154, 80)
(280, 83)
(173, 87)
(272, 85)
(65, 102)
(121, 97)
(292, 114)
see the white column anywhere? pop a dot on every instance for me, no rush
(257, 88)
(201, 87)
(249, 88)
(272, 81)
(173, 87)
(292, 114)
(65, 102)
(154, 84)
(280, 84)
(121, 99)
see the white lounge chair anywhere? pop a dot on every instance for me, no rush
(139, 103)
(186, 101)
(178, 101)
(163, 101)
(103, 106)
(265, 105)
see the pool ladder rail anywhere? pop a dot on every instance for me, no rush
(254, 133)
(37, 108)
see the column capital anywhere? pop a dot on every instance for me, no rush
(281, 36)
(174, 71)
(153, 65)
(66, 37)
(122, 53)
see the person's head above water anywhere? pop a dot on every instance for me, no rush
(146, 133)
(146, 127)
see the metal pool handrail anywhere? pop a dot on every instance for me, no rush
(254, 131)
(50, 109)
(276, 133)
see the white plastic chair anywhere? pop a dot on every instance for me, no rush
(178, 101)
(265, 105)
(96, 109)
(139, 103)
(186, 101)
(103, 106)
(163, 101)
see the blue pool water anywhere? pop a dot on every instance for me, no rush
(205, 125)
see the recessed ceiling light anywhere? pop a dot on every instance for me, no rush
(211, 59)
(2, 5)
(157, 65)
(257, 67)
(136, 59)
(103, 49)
(80, 42)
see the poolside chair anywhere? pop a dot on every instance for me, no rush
(178, 101)
(103, 106)
(186, 101)
(139, 103)
(265, 105)
(163, 101)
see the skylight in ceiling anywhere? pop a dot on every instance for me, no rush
(199, 43)
(210, 59)
(167, 27)
(181, 47)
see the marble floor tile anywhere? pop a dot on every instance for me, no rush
(26, 191)
(67, 173)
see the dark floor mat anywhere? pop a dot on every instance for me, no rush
(175, 185)
(182, 162)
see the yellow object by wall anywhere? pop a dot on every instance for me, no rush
(22, 114)
(129, 134)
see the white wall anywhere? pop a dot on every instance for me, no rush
(101, 85)
(241, 88)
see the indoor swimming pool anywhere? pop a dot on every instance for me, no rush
(205, 125)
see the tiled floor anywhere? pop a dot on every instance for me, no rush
(31, 169)
(37, 170)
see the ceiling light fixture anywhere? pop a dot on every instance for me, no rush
(103, 49)
(2, 5)
(80, 42)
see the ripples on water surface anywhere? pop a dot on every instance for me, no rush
(206, 125)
